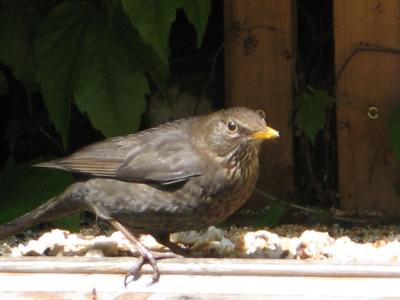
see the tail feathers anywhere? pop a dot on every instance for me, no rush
(65, 204)
(53, 164)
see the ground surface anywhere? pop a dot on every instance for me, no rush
(358, 244)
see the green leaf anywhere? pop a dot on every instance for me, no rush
(19, 20)
(57, 49)
(71, 222)
(111, 7)
(23, 188)
(102, 67)
(153, 19)
(3, 84)
(272, 216)
(140, 55)
(311, 112)
(198, 12)
(320, 216)
(394, 131)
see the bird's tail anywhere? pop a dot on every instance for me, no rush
(68, 202)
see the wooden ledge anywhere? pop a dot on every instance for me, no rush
(102, 278)
(199, 266)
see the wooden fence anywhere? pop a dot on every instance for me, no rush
(260, 54)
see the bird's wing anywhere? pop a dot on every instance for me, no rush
(160, 155)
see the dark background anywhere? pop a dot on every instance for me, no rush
(27, 134)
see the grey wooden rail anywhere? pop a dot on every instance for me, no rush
(89, 278)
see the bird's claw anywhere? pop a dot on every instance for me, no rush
(150, 258)
(134, 272)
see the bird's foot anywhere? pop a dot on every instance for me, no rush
(145, 256)
(150, 258)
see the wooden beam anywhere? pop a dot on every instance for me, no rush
(200, 266)
(102, 278)
(259, 58)
(368, 88)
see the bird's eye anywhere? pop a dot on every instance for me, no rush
(261, 113)
(232, 127)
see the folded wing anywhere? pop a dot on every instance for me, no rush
(161, 155)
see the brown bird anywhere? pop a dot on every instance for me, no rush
(183, 175)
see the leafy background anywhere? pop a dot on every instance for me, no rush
(92, 53)
(92, 62)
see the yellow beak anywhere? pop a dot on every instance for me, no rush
(265, 134)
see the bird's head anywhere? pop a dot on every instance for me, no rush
(236, 133)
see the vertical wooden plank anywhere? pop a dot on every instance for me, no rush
(259, 56)
(368, 170)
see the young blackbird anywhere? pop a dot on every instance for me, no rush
(183, 175)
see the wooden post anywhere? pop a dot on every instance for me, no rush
(259, 59)
(368, 88)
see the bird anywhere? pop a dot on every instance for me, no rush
(182, 175)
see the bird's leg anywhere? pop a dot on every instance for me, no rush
(163, 239)
(145, 256)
